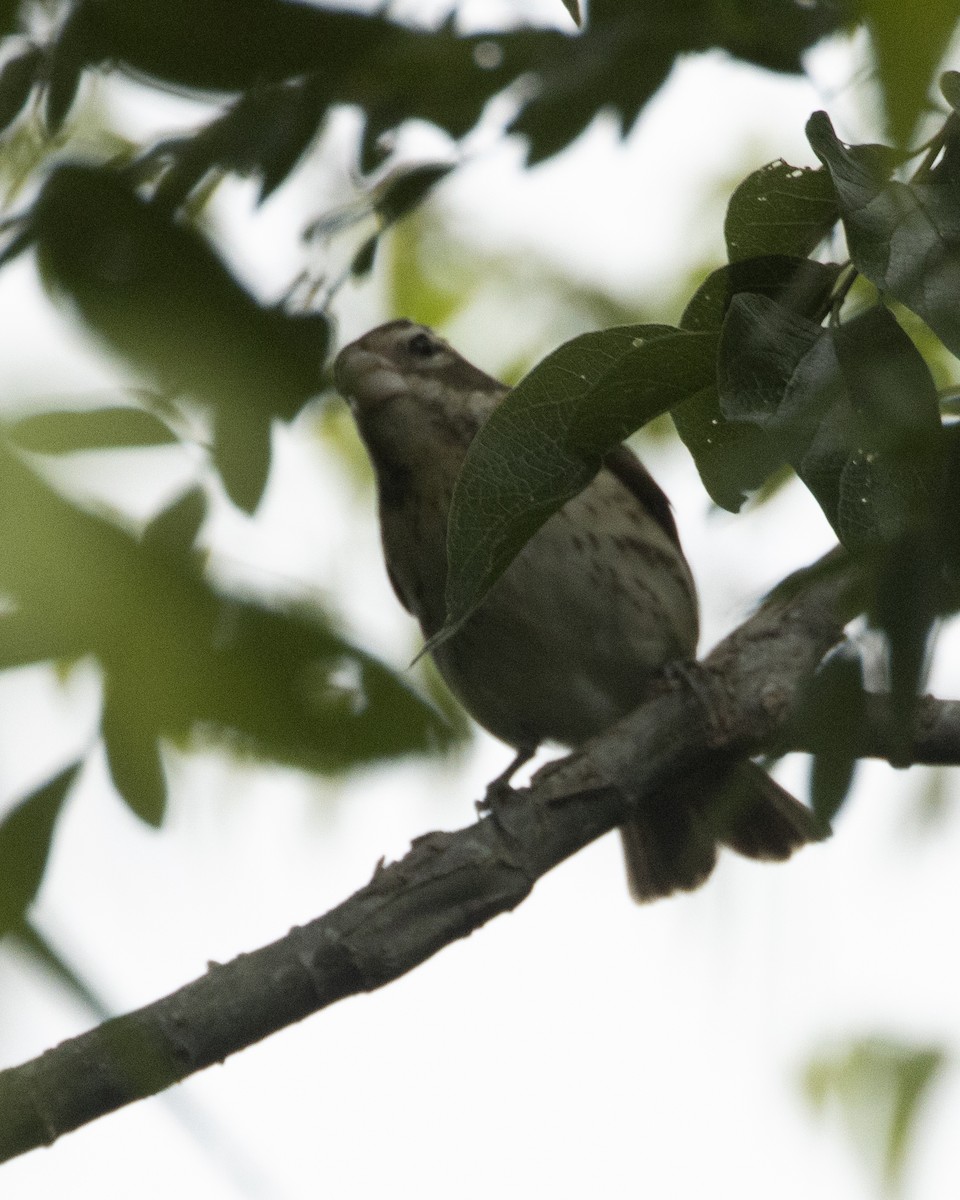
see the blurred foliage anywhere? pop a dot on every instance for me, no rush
(59, 432)
(829, 721)
(157, 293)
(290, 62)
(29, 940)
(284, 64)
(181, 659)
(907, 59)
(25, 836)
(751, 376)
(878, 1086)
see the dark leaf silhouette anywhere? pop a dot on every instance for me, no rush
(25, 836)
(154, 290)
(183, 660)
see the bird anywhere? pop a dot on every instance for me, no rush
(569, 639)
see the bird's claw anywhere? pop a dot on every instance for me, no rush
(499, 790)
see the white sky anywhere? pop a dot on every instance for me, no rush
(581, 1045)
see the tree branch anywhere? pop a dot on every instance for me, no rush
(935, 739)
(450, 884)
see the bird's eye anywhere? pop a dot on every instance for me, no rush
(421, 345)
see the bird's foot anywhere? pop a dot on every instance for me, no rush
(499, 790)
(700, 683)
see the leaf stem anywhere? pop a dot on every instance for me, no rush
(934, 148)
(834, 301)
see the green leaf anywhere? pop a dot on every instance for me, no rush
(25, 837)
(612, 64)
(176, 528)
(157, 293)
(879, 1085)
(822, 464)
(405, 188)
(908, 53)
(363, 260)
(780, 209)
(545, 442)
(833, 709)
(735, 458)
(265, 132)
(853, 409)
(133, 755)
(905, 605)
(294, 61)
(9, 15)
(94, 429)
(771, 33)
(184, 660)
(26, 637)
(777, 374)
(858, 172)
(950, 86)
(892, 485)
(242, 453)
(17, 80)
(573, 8)
(769, 368)
(229, 46)
(798, 284)
(902, 236)
(67, 60)
(625, 52)
(890, 383)
(27, 937)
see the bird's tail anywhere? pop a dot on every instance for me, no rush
(672, 845)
